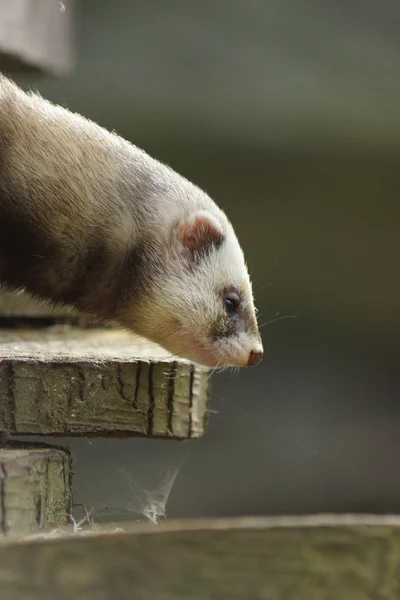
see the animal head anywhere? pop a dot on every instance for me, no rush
(199, 303)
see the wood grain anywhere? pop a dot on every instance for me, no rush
(20, 304)
(69, 381)
(284, 558)
(35, 491)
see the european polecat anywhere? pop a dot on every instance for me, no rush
(90, 220)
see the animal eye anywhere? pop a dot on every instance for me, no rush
(231, 305)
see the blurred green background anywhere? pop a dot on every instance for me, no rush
(288, 114)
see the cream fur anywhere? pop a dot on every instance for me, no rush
(95, 218)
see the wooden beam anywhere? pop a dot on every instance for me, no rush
(36, 36)
(18, 304)
(35, 491)
(69, 381)
(283, 558)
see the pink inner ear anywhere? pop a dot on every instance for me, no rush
(201, 233)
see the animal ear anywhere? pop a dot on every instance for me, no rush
(200, 232)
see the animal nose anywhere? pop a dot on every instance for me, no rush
(255, 358)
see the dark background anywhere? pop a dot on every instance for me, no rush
(288, 114)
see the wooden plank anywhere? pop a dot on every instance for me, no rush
(68, 381)
(284, 558)
(36, 35)
(20, 304)
(35, 491)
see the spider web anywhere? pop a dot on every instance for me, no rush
(139, 492)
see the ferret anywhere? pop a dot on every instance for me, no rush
(87, 219)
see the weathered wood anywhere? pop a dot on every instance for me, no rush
(35, 491)
(68, 381)
(292, 558)
(35, 35)
(20, 304)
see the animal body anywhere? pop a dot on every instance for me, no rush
(90, 220)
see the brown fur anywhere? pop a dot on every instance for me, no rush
(61, 234)
(88, 219)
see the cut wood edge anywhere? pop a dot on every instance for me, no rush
(35, 488)
(21, 305)
(74, 382)
(357, 522)
(297, 558)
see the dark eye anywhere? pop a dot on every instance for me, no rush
(231, 305)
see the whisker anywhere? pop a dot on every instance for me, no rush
(277, 318)
(263, 287)
(211, 373)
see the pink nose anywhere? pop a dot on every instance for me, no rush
(255, 358)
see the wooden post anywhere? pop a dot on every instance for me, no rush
(36, 36)
(65, 380)
(71, 381)
(35, 491)
(19, 305)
